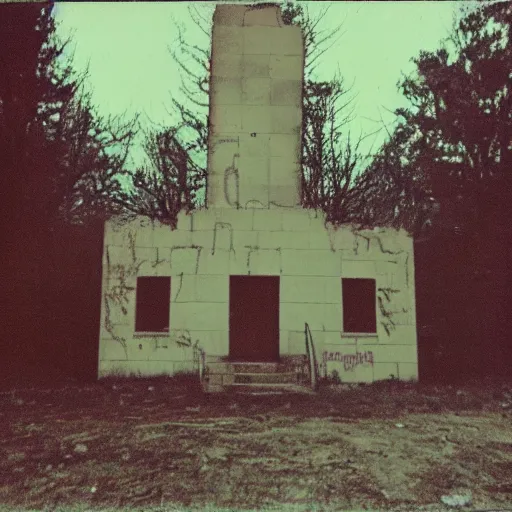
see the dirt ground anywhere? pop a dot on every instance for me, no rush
(160, 444)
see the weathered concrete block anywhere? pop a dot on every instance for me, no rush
(220, 368)
(228, 379)
(239, 262)
(211, 288)
(227, 65)
(255, 66)
(402, 277)
(402, 334)
(310, 289)
(139, 349)
(385, 267)
(268, 16)
(321, 240)
(115, 233)
(223, 237)
(243, 239)
(161, 266)
(166, 237)
(214, 264)
(287, 40)
(310, 263)
(184, 367)
(292, 316)
(183, 288)
(226, 90)
(284, 119)
(184, 222)
(408, 371)
(215, 379)
(340, 238)
(334, 342)
(265, 262)
(358, 269)
(318, 316)
(360, 374)
(256, 119)
(255, 145)
(115, 331)
(227, 118)
(115, 255)
(111, 350)
(286, 67)
(166, 349)
(227, 40)
(284, 146)
(350, 367)
(117, 311)
(295, 220)
(267, 220)
(159, 368)
(203, 239)
(253, 193)
(184, 260)
(202, 316)
(283, 195)
(283, 240)
(298, 288)
(317, 221)
(285, 92)
(214, 343)
(258, 41)
(385, 371)
(296, 341)
(117, 368)
(284, 171)
(229, 15)
(255, 91)
(146, 260)
(393, 353)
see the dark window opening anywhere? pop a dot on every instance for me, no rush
(359, 311)
(153, 304)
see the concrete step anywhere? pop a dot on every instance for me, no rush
(258, 367)
(269, 389)
(265, 378)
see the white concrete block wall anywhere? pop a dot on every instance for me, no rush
(213, 244)
(255, 108)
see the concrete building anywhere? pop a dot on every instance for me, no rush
(241, 278)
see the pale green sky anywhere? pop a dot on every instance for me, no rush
(126, 46)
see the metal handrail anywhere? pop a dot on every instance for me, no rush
(310, 350)
(201, 356)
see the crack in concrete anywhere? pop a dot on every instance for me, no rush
(158, 260)
(251, 248)
(198, 248)
(179, 289)
(223, 225)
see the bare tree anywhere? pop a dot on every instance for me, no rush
(169, 182)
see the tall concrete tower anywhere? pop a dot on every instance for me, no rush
(255, 108)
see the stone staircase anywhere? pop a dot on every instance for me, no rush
(290, 375)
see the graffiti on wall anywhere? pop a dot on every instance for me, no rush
(350, 361)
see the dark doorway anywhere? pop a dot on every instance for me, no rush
(254, 318)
